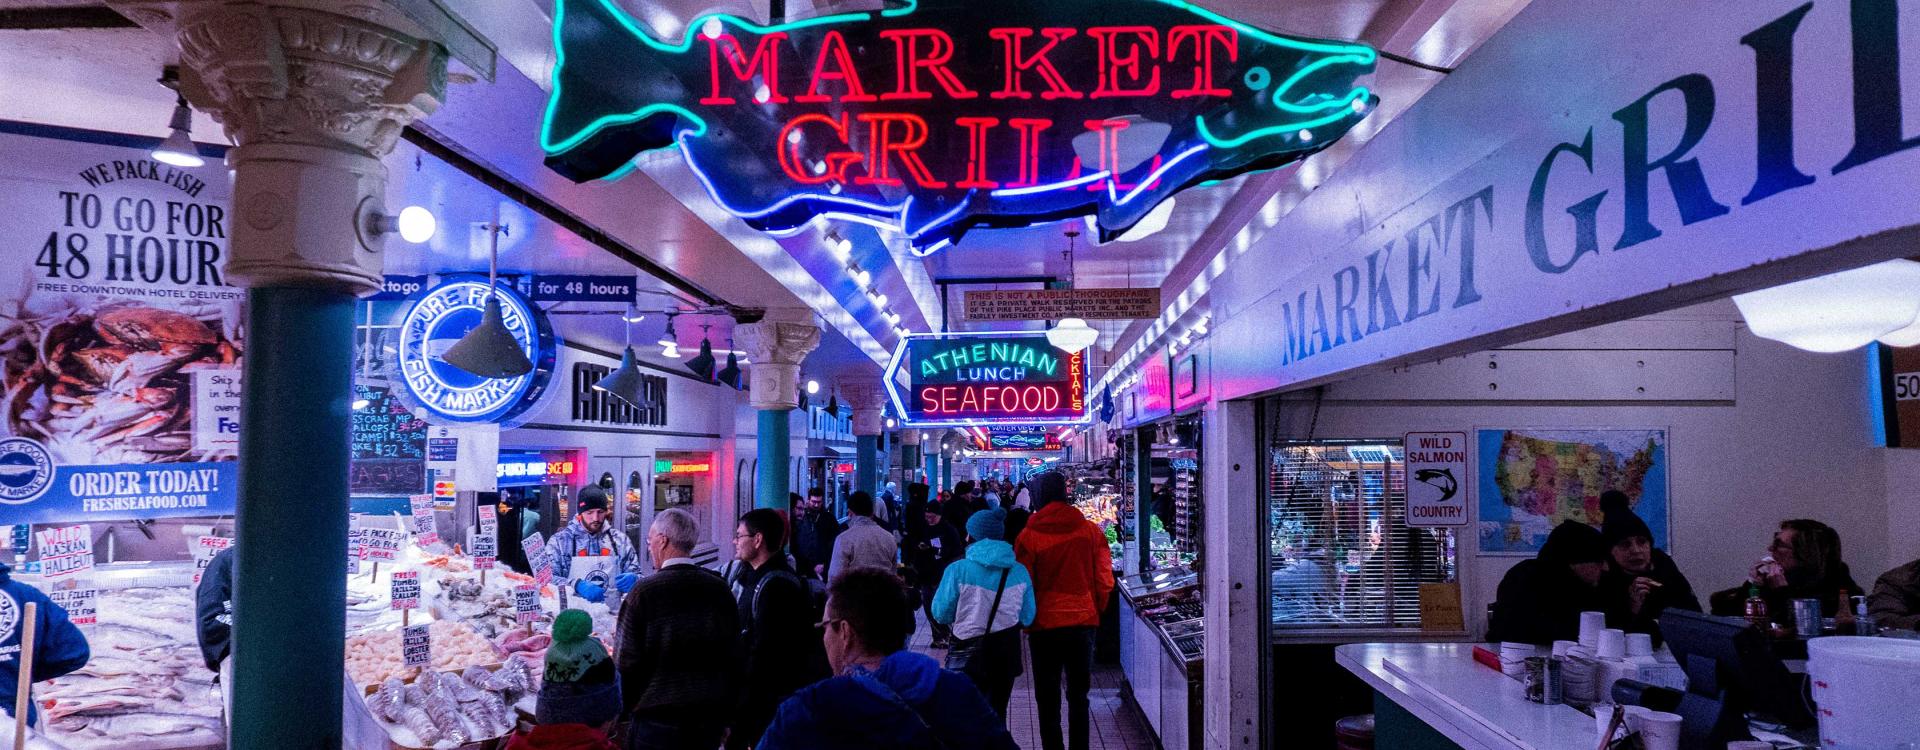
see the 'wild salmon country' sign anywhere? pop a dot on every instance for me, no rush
(933, 117)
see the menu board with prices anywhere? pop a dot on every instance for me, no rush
(526, 603)
(389, 445)
(406, 589)
(381, 544)
(424, 532)
(416, 646)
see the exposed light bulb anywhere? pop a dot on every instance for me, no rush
(813, 387)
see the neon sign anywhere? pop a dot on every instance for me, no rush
(943, 115)
(965, 379)
(1015, 438)
(441, 317)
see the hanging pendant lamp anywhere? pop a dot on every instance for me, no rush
(731, 373)
(1072, 335)
(702, 364)
(670, 341)
(490, 350)
(624, 382)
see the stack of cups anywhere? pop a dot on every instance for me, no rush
(1561, 649)
(1658, 730)
(1612, 665)
(1513, 657)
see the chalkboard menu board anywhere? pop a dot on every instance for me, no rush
(389, 445)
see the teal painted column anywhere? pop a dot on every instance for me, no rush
(774, 441)
(946, 469)
(865, 457)
(776, 345)
(289, 588)
(1143, 496)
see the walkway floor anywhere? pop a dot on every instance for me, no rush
(1116, 724)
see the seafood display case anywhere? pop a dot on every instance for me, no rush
(1162, 639)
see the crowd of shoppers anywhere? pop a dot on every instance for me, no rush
(818, 638)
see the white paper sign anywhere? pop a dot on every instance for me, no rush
(65, 551)
(489, 518)
(526, 603)
(406, 589)
(216, 409)
(1437, 486)
(536, 548)
(486, 546)
(77, 597)
(416, 646)
(381, 544)
(355, 551)
(424, 532)
(204, 548)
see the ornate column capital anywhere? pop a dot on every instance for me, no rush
(313, 100)
(869, 401)
(776, 348)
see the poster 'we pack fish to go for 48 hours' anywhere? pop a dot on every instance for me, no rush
(121, 343)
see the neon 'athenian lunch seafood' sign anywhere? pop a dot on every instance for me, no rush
(963, 379)
(938, 116)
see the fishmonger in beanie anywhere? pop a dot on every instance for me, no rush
(580, 694)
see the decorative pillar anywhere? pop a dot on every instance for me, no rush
(910, 460)
(869, 402)
(313, 100)
(776, 345)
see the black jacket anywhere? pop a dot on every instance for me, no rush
(813, 535)
(671, 626)
(1733, 602)
(1674, 592)
(213, 603)
(780, 650)
(929, 564)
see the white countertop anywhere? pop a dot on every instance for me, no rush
(1474, 705)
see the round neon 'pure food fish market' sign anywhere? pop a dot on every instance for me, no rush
(446, 313)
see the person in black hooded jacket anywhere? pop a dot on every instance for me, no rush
(1641, 581)
(1540, 600)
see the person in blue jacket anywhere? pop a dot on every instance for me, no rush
(883, 696)
(58, 646)
(988, 595)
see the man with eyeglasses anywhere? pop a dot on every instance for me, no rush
(780, 650)
(883, 696)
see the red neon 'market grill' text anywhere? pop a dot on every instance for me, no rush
(1126, 61)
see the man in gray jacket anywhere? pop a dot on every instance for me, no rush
(865, 544)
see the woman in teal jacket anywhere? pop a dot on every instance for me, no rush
(974, 602)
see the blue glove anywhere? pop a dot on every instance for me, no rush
(590, 591)
(625, 581)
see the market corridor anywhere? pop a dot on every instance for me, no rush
(1117, 724)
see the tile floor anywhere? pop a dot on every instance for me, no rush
(1117, 724)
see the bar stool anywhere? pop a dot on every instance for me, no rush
(1354, 733)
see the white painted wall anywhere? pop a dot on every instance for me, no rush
(1793, 441)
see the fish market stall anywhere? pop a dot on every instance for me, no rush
(146, 686)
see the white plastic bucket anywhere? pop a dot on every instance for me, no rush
(1864, 690)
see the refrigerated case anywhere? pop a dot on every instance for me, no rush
(1162, 637)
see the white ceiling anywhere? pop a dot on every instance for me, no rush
(102, 79)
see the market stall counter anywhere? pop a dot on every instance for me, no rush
(1434, 695)
(1161, 640)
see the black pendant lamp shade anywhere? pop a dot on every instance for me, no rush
(731, 373)
(624, 381)
(702, 364)
(489, 350)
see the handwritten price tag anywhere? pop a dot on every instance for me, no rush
(78, 599)
(406, 589)
(536, 548)
(66, 551)
(489, 519)
(416, 646)
(354, 551)
(526, 603)
(424, 532)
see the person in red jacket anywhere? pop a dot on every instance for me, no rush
(1072, 577)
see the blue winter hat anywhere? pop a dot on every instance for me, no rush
(987, 524)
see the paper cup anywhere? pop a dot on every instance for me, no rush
(1658, 730)
(1639, 644)
(1591, 623)
(1613, 644)
(1603, 716)
(1562, 648)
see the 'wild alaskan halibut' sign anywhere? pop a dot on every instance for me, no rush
(936, 116)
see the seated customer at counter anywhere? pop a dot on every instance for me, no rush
(1895, 602)
(1540, 600)
(1803, 562)
(1640, 582)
